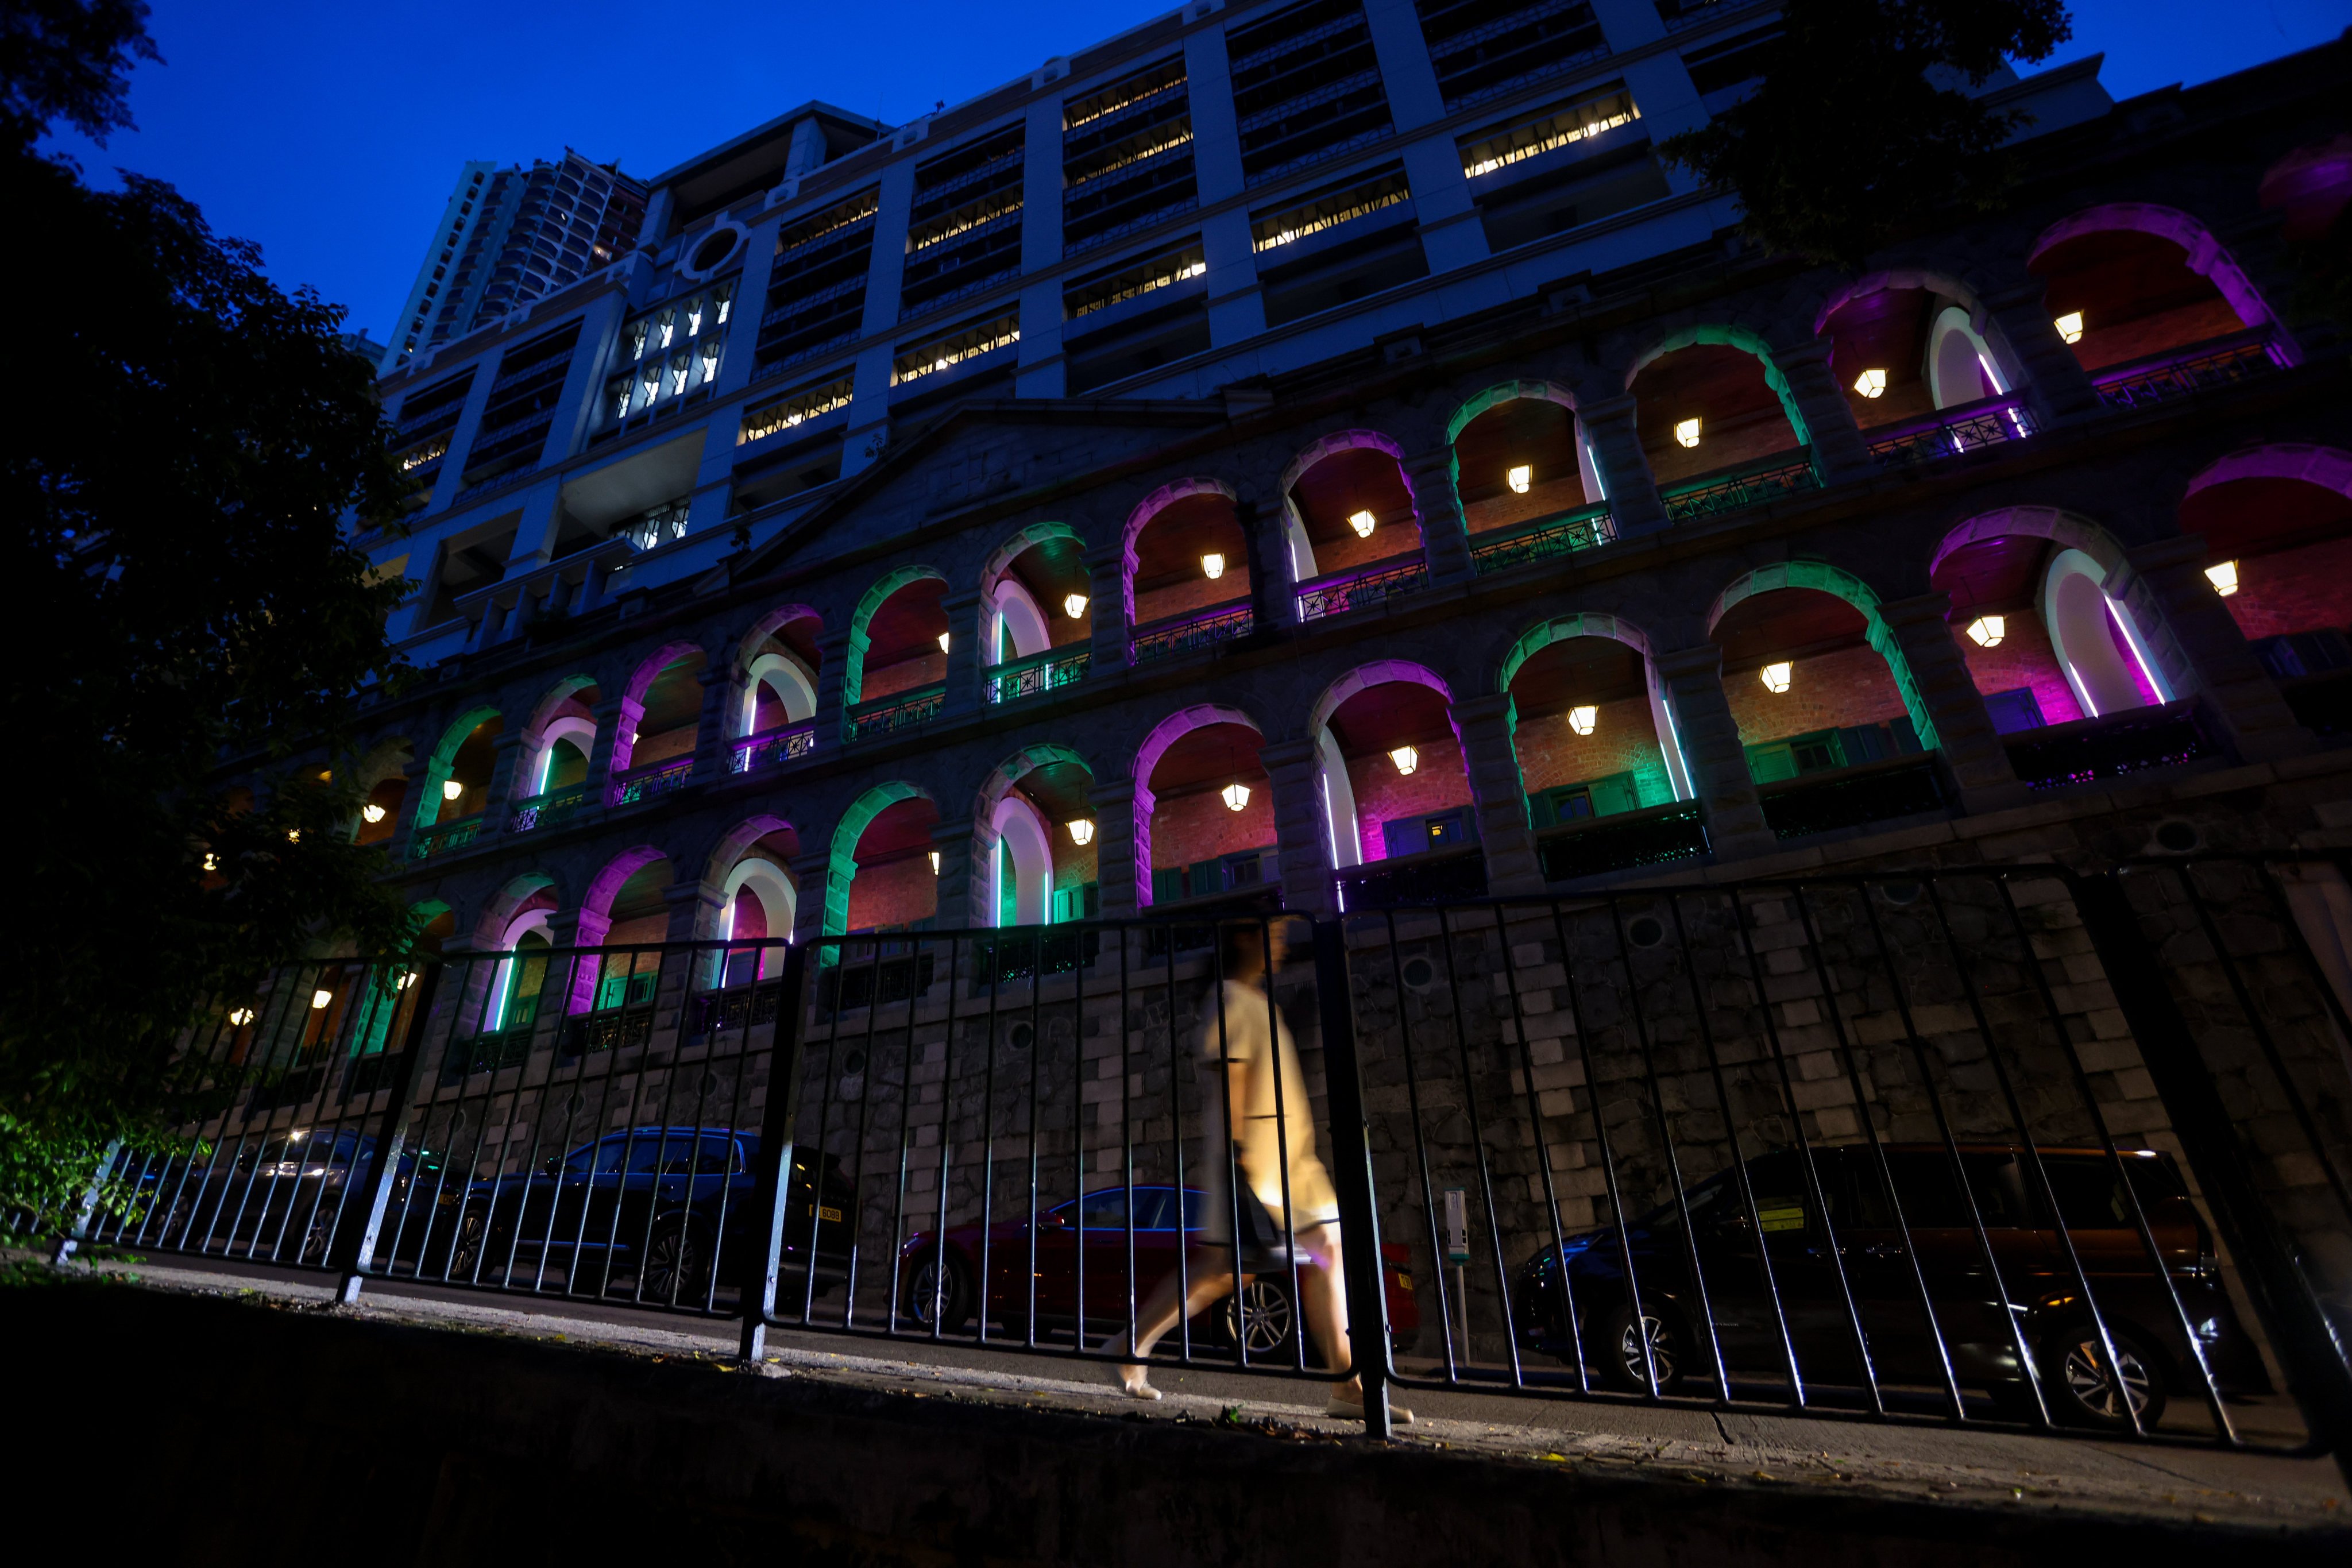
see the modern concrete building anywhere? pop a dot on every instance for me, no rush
(1320, 452)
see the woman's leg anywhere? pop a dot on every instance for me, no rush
(1170, 1301)
(1324, 1281)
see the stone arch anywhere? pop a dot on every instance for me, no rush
(2208, 257)
(1844, 584)
(853, 671)
(513, 902)
(747, 647)
(1164, 734)
(995, 799)
(1145, 513)
(794, 683)
(649, 668)
(597, 901)
(1893, 279)
(1027, 759)
(842, 858)
(2329, 467)
(426, 807)
(2065, 529)
(1744, 339)
(1006, 553)
(1377, 673)
(549, 724)
(1297, 547)
(1506, 391)
(1600, 624)
(1342, 441)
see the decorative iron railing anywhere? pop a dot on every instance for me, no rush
(1167, 639)
(1037, 673)
(1735, 491)
(654, 779)
(1439, 879)
(2224, 363)
(444, 836)
(2108, 747)
(1544, 540)
(1658, 835)
(1344, 590)
(771, 747)
(1873, 792)
(1952, 431)
(547, 810)
(887, 715)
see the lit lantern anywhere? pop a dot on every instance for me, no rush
(212, 862)
(1582, 719)
(2070, 326)
(451, 789)
(1870, 384)
(372, 812)
(1986, 631)
(1776, 676)
(943, 642)
(320, 999)
(293, 836)
(1362, 521)
(1406, 759)
(1076, 604)
(1687, 431)
(2224, 578)
(1213, 566)
(1082, 831)
(1235, 795)
(1521, 477)
(240, 1017)
(935, 862)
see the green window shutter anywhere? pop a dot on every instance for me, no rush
(611, 991)
(1769, 763)
(1616, 793)
(1167, 884)
(1539, 811)
(1205, 877)
(641, 986)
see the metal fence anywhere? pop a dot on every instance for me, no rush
(2009, 1146)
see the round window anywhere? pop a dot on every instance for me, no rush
(713, 250)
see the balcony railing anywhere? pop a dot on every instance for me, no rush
(2109, 747)
(770, 748)
(1038, 673)
(1544, 540)
(2225, 361)
(1440, 877)
(1848, 797)
(654, 779)
(444, 836)
(1658, 835)
(1952, 431)
(887, 715)
(547, 810)
(1169, 638)
(1362, 588)
(1741, 488)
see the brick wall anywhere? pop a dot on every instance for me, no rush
(1382, 794)
(2023, 658)
(2295, 590)
(2190, 324)
(1832, 691)
(904, 676)
(1196, 592)
(1198, 826)
(1624, 739)
(897, 892)
(1544, 498)
(1390, 538)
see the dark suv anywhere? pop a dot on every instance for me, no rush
(1884, 1266)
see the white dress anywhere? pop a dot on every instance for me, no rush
(1266, 1138)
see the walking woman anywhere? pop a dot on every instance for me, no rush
(1253, 1116)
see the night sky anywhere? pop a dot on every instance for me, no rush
(331, 133)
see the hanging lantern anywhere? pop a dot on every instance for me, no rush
(1076, 604)
(1082, 831)
(1775, 678)
(1362, 521)
(2070, 326)
(1520, 478)
(319, 999)
(1687, 431)
(2224, 578)
(1406, 759)
(240, 1017)
(1582, 719)
(1986, 631)
(943, 642)
(1870, 384)
(1213, 566)
(935, 862)
(451, 789)
(1235, 795)
(371, 813)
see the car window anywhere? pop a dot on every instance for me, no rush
(1151, 1209)
(1932, 1198)
(1105, 1208)
(2090, 1198)
(1196, 1208)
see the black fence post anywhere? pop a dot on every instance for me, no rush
(771, 1202)
(2282, 1292)
(78, 1231)
(384, 1169)
(1351, 1172)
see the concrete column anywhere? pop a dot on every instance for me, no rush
(1922, 628)
(1718, 763)
(869, 408)
(2212, 651)
(1444, 537)
(1485, 724)
(2056, 386)
(823, 896)
(1118, 867)
(694, 909)
(964, 646)
(1406, 71)
(722, 709)
(1106, 591)
(419, 802)
(506, 763)
(577, 412)
(1269, 565)
(1838, 451)
(534, 539)
(1236, 313)
(833, 669)
(1298, 826)
(743, 315)
(616, 735)
(450, 479)
(963, 848)
(1616, 446)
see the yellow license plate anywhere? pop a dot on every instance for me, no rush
(831, 1217)
(1404, 1281)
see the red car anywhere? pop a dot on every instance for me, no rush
(1094, 1230)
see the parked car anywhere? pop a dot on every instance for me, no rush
(661, 1208)
(283, 1197)
(1883, 1267)
(1093, 1230)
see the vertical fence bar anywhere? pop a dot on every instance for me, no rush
(1351, 1172)
(384, 1173)
(773, 1200)
(78, 1231)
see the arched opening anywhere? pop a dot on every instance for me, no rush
(898, 651)
(1351, 516)
(1393, 777)
(1521, 459)
(381, 807)
(1810, 691)
(1045, 867)
(435, 923)
(654, 752)
(1710, 407)
(894, 880)
(778, 662)
(1590, 729)
(758, 901)
(1188, 574)
(2279, 551)
(553, 777)
(1037, 598)
(2311, 186)
(2123, 295)
(1210, 810)
(519, 983)
(2094, 647)
(458, 782)
(1903, 354)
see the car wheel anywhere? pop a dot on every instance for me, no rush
(677, 1266)
(941, 1294)
(317, 1237)
(466, 1248)
(1621, 1351)
(1259, 1318)
(2074, 1379)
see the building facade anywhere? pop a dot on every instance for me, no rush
(1319, 453)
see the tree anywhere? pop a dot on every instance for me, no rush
(187, 448)
(1859, 129)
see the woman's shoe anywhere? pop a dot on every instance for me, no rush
(1346, 1409)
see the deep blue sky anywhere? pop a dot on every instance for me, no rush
(330, 133)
